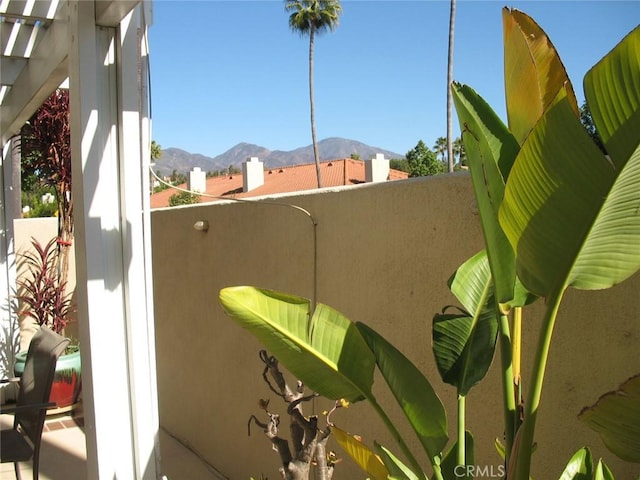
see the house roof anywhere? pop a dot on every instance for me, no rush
(340, 172)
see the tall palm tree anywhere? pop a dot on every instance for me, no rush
(311, 17)
(156, 150)
(452, 21)
(459, 152)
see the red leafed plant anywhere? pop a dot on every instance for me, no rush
(41, 292)
(46, 143)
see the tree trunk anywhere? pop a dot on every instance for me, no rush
(452, 20)
(308, 440)
(316, 154)
(16, 177)
(65, 223)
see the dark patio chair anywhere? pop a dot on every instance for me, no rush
(22, 442)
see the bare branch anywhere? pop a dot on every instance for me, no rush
(308, 441)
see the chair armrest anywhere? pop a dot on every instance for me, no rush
(21, 408)
(10, 380)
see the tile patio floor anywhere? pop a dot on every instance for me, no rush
(63, 454)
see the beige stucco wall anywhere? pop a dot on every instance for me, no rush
(384, 254)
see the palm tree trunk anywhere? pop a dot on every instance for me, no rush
(316, 154)
(452, 20)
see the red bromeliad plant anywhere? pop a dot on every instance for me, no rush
(41, 292)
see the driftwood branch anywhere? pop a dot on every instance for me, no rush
(307, 439)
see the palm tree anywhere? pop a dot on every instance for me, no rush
(452, 20)
(440, 147)
(309, 17)
(156, 150)
(459, 152)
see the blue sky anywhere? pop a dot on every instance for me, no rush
(225, 72)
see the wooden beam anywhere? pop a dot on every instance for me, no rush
(10, 69)
(43, 73)
(109, 13)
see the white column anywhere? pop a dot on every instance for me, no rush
(135, 159)
(9, 329)
(109, 154)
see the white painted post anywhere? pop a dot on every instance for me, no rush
(135, 160)
(110, 156)
(9, 329)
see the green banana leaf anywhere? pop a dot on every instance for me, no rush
(471, 279)
(449, 460)
(362, 455)
(618, 127)
(580, 467)
(413, 392)
(464, 342)
(471, 283)
(397, 469)
(616, 417)
(533, 72)
(463, 347)
(491, 150)
(569, 211)
(327, 352)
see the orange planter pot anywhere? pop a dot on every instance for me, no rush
(67, 382)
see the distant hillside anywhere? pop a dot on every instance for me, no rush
(330, 148)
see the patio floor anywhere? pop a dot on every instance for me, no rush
(63, 454)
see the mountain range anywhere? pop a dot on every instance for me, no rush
(330, 149)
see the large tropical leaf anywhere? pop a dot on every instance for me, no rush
(491, 150)
(471, 283)
(463, 347)
(616, 417)
(464, 343)
(616, 111)
(473, 277)
(362, 455)
(569, 212)
(327, 352)
(397, 469)
(413, 392)
(533, 72)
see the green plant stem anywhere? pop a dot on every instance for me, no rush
(517, 343)
(403, 446)
(523, 458)
(462, 456)
(508, 392)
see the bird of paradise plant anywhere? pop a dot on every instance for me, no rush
(556, 212)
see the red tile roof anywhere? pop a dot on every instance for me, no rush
(344, 171)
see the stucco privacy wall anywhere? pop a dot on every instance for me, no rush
(384, 254)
